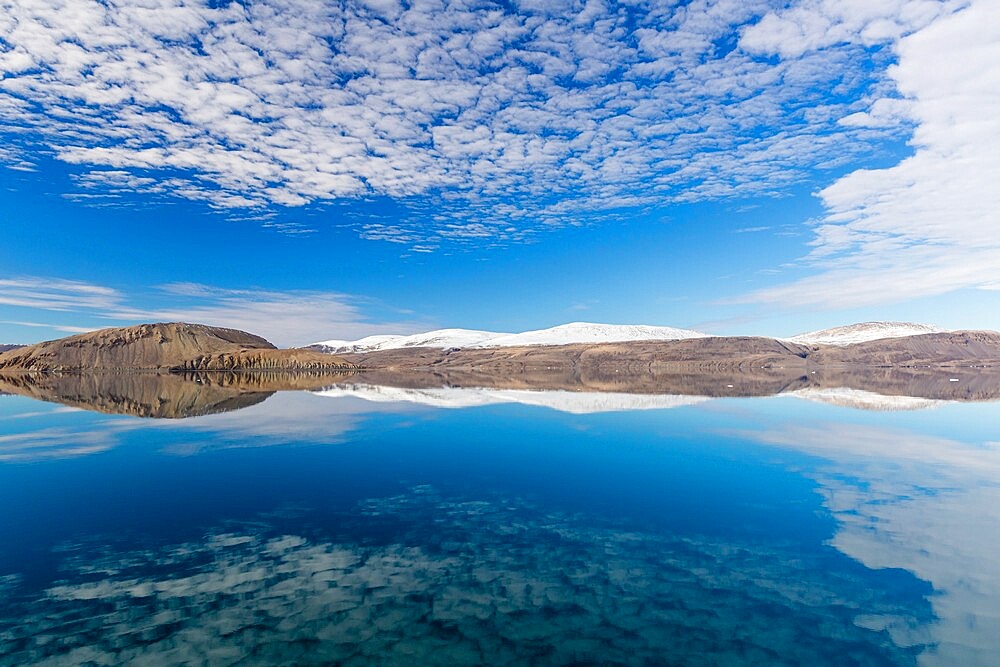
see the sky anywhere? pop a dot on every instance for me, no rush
(309, 170)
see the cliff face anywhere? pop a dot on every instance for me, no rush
(161, 347)
(265, 360)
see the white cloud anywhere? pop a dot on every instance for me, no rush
(296, 317)
(42, 325)
(504, 116)
(56, 294)
(927, 225)
(815, 24)
(286, 318)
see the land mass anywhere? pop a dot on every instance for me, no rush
(716, 354)
(197, 347)
(176, 370)
(163, 347)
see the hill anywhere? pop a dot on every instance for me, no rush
(564, 334)
(162, 346)
(863, 332)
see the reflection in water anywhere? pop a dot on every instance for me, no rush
(927, 504)
(179, 395)
(565, 401)
(429, 577)
(489, 581)
(161, 395)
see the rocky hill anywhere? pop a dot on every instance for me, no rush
(163, 346)
(949, 349)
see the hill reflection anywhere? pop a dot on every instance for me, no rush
(179, 395)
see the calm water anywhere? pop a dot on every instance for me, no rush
(350, 527)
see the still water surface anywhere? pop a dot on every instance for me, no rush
(337, 528)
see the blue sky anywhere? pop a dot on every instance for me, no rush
(313, 170)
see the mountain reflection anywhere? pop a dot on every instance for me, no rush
(180, 395)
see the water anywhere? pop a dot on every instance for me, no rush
(323, 527)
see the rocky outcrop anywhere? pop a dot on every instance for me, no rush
(265, 360)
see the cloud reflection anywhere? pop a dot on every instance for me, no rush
(926, 504)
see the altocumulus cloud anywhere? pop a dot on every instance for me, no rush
(489, 120)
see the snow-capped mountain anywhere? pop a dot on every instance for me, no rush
(443, 338)
(585, 332)
(565, 334)
(862, 333)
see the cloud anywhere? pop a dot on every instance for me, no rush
(286, 318)
(56, 294)
(816, 24)
(927, 225)
(486, 122)
(57, 327)
(296, 317)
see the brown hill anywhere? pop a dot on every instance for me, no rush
(721, 354)
(696, 354)
(5, 348)
(956, 348)
(161, 346)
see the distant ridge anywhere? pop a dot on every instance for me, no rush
(863, 332)
(564, 334)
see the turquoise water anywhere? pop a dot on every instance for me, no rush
(326, 529)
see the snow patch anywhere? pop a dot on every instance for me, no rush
(863, 332)
(565, 334)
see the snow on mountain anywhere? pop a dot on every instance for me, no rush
(862, 333)
(565, 401)
(443, 338)
(586, 332)
(565, 334)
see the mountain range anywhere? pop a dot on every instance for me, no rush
(588, 332)
(629, 350)
(564, 334)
